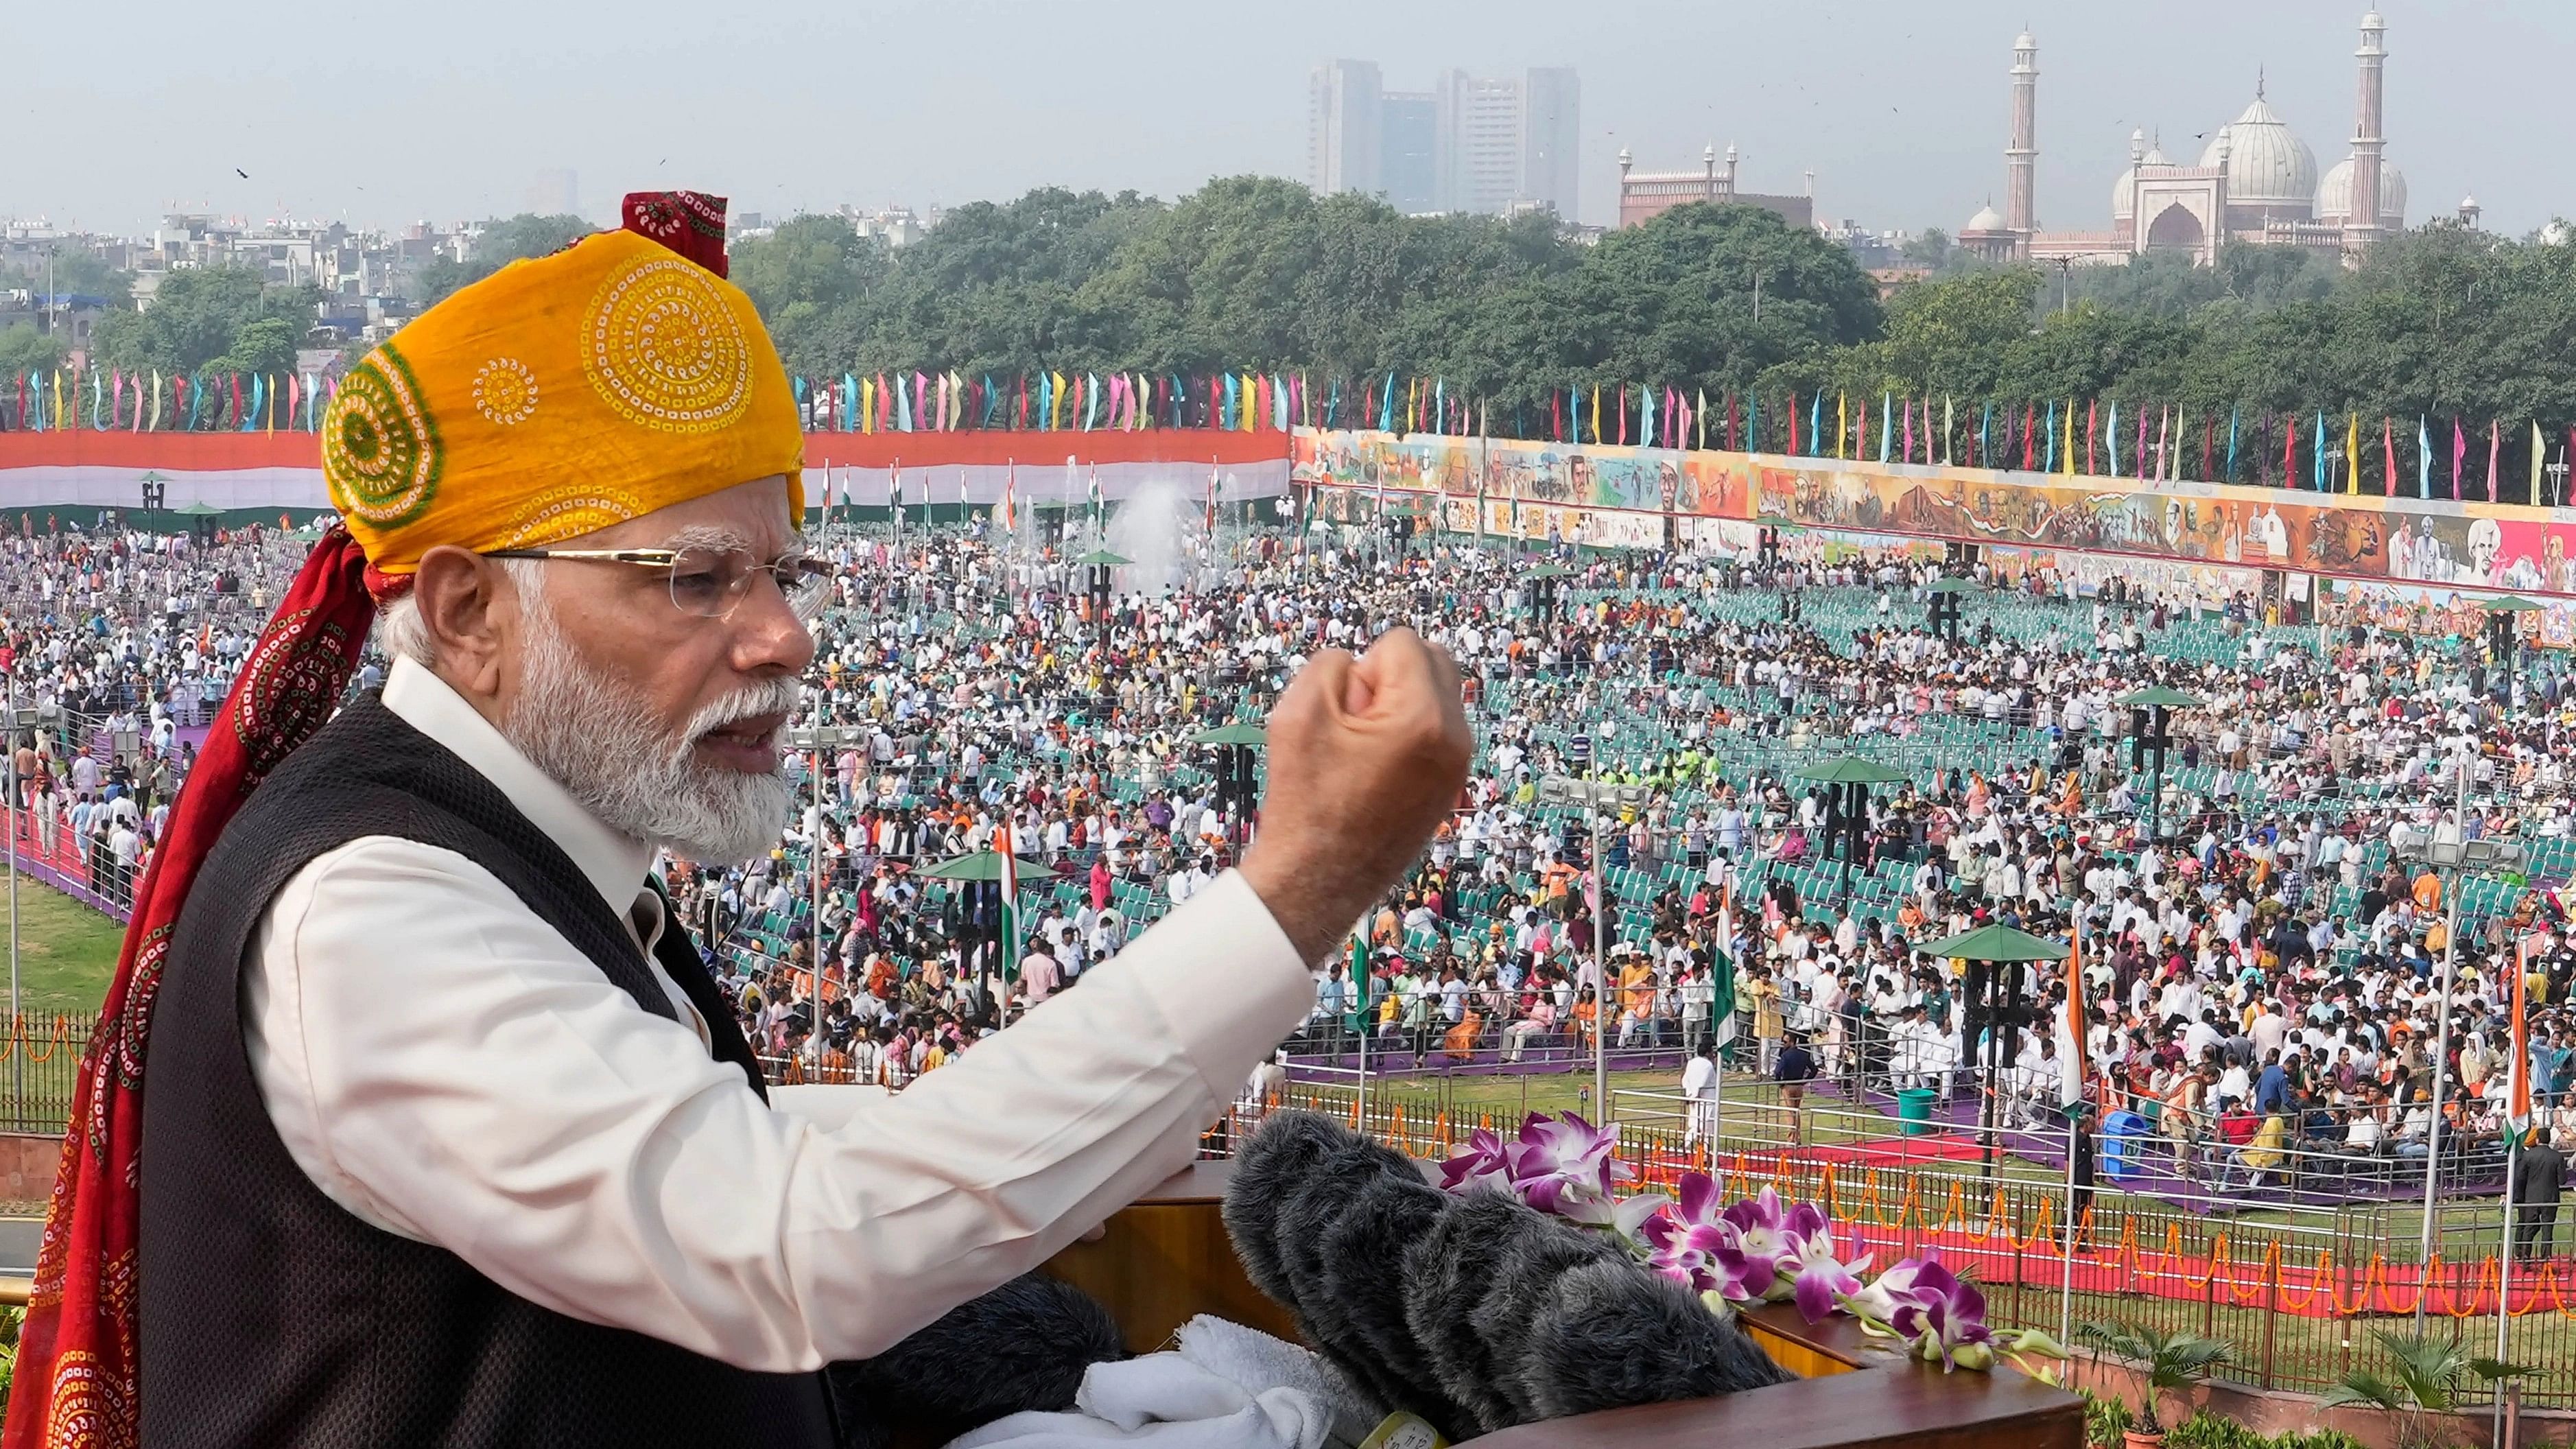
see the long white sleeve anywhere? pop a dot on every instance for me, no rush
(444, 1065)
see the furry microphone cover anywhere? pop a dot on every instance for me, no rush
(1022, 1346)
(1476, 1312)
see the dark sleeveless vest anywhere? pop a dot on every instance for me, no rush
(271, 1317)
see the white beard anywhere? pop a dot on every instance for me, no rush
(596, 738)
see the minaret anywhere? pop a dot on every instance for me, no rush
(2361, 224)
(2022, 157)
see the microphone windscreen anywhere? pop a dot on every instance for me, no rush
(1025, 1345)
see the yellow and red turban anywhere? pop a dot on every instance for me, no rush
(560, 395)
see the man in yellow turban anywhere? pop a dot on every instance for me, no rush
(454, 1140)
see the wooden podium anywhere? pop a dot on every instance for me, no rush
(1165, 1259)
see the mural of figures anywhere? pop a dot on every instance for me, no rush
(1566, 492)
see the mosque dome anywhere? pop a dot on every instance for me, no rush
(2120, 196)
(1986, 219)
(2268, 168)
(2334, 194)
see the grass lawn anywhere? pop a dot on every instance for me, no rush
(66, 951)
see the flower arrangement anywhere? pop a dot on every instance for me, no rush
(1753, 1250)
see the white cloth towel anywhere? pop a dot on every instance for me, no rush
(1227, 1387)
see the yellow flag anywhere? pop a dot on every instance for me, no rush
(2538, 447)
(1842, 423)
(2352, 452)
(1596, 414)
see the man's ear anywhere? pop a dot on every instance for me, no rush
(465, 604)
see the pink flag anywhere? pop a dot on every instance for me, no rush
(2388, 450)
(2459, 456)
(1908, 433)
(2164, 436)
(2495, 440)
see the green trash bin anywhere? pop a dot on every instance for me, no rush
(1914, 1110)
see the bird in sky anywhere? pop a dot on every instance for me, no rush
(244, 175)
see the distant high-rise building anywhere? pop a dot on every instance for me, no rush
(1408, 154)
(1344, 121)
(1472, 143)
(1478, 155)
(1551, 137)
(555, 192)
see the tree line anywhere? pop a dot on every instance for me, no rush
(1258, 274)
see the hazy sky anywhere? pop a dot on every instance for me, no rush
(386, 114)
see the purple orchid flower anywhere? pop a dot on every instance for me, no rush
(1941, 1316)
(1684, 1236)
(1566, 1167)
(1761, 1240)
(1819, 1281)
(1486, 1163)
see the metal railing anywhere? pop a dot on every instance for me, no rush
(40, 1061)
(2296, 1294)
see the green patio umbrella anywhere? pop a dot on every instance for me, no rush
(1233, 734)
(199, 509)
(1996, 943)
(1949, 584)
(1101, 556)
(2158, 694)
(987, 865)
(1851, 770)
(1549, 571)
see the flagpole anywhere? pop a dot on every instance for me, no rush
(2517, 1114)
(2442, 1052)
(1600, 951)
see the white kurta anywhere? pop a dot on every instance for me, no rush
(447, 1067)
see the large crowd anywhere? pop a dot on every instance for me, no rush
(1636, 853)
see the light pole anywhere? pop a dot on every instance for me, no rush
(2445, 849)
(9, 711)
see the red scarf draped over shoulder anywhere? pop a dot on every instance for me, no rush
(74, 1386)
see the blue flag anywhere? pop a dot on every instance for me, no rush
(2317, 465)
(258, 396)
(2231, 444)
(2423, 457)
(1886, 424)
(1333, 404)
(1386, 406)
(1816, 424)
(2048, 453)
(1985, 454)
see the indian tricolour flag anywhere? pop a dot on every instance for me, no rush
(1010, 944)
(1006, 514)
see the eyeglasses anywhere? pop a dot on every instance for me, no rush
(710, 583)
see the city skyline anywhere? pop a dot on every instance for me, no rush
(1901, 119)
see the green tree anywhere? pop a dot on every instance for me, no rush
(1952, 336)
(23, 349)
(223, 317)
(502, 242)
(72, 273)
